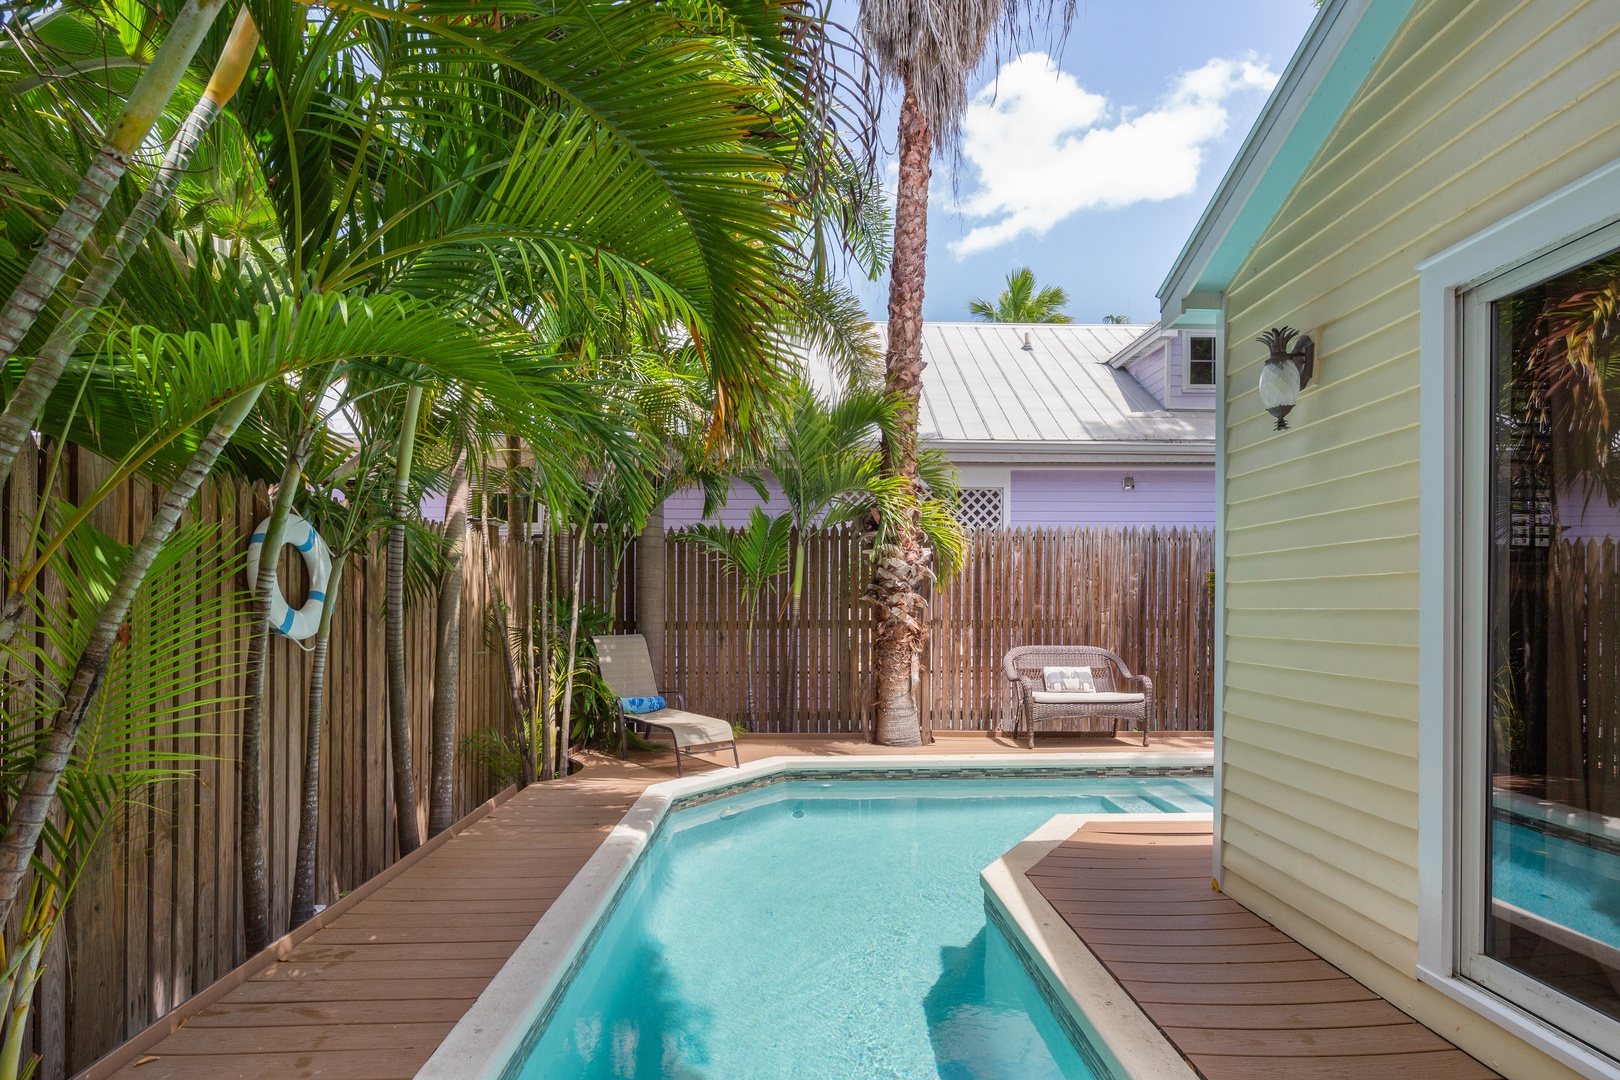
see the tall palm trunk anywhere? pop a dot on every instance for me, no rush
(309, 811)
(55, 748)
(399, 716)
(795, 610)
(250, 815)
(564, 728)
(752, 659)
(516, 689)
(543, 645)
(897, 564)
(61, 246)
(447, 655)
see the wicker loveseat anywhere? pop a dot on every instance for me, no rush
(1119, 695)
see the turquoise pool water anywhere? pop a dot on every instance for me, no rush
(1564, 881)
(828, 930)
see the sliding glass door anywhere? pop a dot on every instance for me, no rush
(1544, 852)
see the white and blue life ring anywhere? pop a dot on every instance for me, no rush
(302, 623)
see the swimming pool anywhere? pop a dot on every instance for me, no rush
(1558, 878)
(825, 929)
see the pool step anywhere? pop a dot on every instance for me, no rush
(1132, 804)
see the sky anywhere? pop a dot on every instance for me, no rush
(1091, 161)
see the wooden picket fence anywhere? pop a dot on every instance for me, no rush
(1143, 593)
(158, 916)
(1579, 744)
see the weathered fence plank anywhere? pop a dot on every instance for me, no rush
(1140, 592)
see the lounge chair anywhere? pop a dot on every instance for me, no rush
(626, 667)
(1114, 696)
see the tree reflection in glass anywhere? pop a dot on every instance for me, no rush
(1554, 632)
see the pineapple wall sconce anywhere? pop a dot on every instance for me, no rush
(1287, 370)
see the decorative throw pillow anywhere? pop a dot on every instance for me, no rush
(642, 704)
(1070, 680)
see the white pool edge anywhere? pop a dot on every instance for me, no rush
(1130, 1045)
(492, 1031)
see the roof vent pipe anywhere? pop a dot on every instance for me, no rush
(1029, 346)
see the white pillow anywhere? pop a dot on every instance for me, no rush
(1072, 680)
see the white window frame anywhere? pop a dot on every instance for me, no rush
(1187, 385)
(1556, 233)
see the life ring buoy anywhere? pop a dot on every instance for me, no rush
(302, 623)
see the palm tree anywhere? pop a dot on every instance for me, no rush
(25, 404)
(214, 380)
(826, 458)
(928, 51)
(1021, 302)
(402, 176)
(159, 683)
(757, 554)
(60, 246)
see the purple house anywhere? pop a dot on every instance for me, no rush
(1061, 424)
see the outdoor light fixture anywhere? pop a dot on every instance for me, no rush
(1130, 483)
(1287, 370)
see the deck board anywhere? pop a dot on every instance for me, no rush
(371, 995)
(1237, 997)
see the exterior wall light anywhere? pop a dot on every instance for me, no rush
(1287, 371)
(1130, 483)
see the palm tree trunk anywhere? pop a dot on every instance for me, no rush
(564, 728)
(62, 245)
(399, 705)
(447, 656)
(309, 812)
(753, 668)
(897, 568)
(250, 816)
(55, 747)
(543, 646)
(514, 680)
(19, 1003)
(795, 609)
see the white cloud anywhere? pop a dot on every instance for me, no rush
(1043, 147)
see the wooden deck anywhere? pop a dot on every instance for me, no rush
(1237, 997)
(370, 994)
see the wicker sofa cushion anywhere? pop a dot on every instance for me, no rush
(1057, 697)
(1072, 680)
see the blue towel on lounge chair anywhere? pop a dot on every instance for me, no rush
(642, 704)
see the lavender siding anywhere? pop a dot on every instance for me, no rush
(1149, 371)
(1585, 519)
(686, 507)
(1166, 497)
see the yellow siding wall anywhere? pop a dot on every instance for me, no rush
(1476, 110)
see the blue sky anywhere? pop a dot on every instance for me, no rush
(1092, 166)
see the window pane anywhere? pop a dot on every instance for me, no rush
(1554, 823)
(1201, 361)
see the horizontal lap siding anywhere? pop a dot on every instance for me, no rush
(1475, 111)
(1097, 498)
(1153, 369)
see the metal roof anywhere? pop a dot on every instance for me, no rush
(985, 398)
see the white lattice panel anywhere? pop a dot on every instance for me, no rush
(980, 508)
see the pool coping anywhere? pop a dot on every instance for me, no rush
(1069, 976)
(494, 1029)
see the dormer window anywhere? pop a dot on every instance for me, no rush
(1201, 360)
